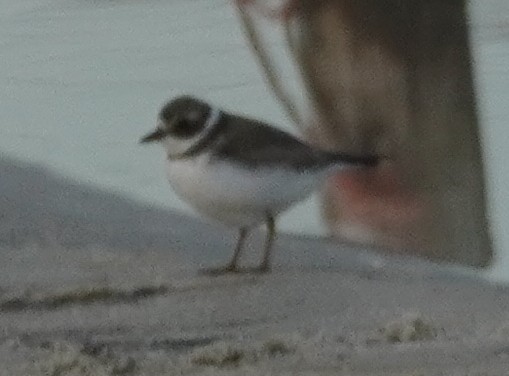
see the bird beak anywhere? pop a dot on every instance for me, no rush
(156, 135)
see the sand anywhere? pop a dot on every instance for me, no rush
(94, 284)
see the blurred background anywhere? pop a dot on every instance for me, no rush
(81, 81)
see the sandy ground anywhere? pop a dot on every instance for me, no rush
(93, 284)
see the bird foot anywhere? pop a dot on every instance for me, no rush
(262, 269)
(222, 270)
(231, 269)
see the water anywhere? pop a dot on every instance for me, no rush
(490, 37)
(82, 81)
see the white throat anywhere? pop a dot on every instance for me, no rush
(176, 146)
(213, 119)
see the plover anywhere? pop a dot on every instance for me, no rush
(239, 171)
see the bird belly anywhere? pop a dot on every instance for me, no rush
(235, 195)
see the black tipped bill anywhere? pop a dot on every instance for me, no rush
(156, 135)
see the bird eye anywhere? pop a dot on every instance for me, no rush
(180, 125)
(184, 128)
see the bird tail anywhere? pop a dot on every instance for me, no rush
(349, 160)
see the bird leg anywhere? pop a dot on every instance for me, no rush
(269, 241)
(231, 267)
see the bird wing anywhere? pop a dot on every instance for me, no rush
(256, 144)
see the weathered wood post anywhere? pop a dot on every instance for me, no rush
(394, 77)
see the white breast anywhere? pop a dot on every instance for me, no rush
(236, 195)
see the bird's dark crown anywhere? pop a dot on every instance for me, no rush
(184, 117)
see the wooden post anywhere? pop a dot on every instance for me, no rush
(394, 77)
